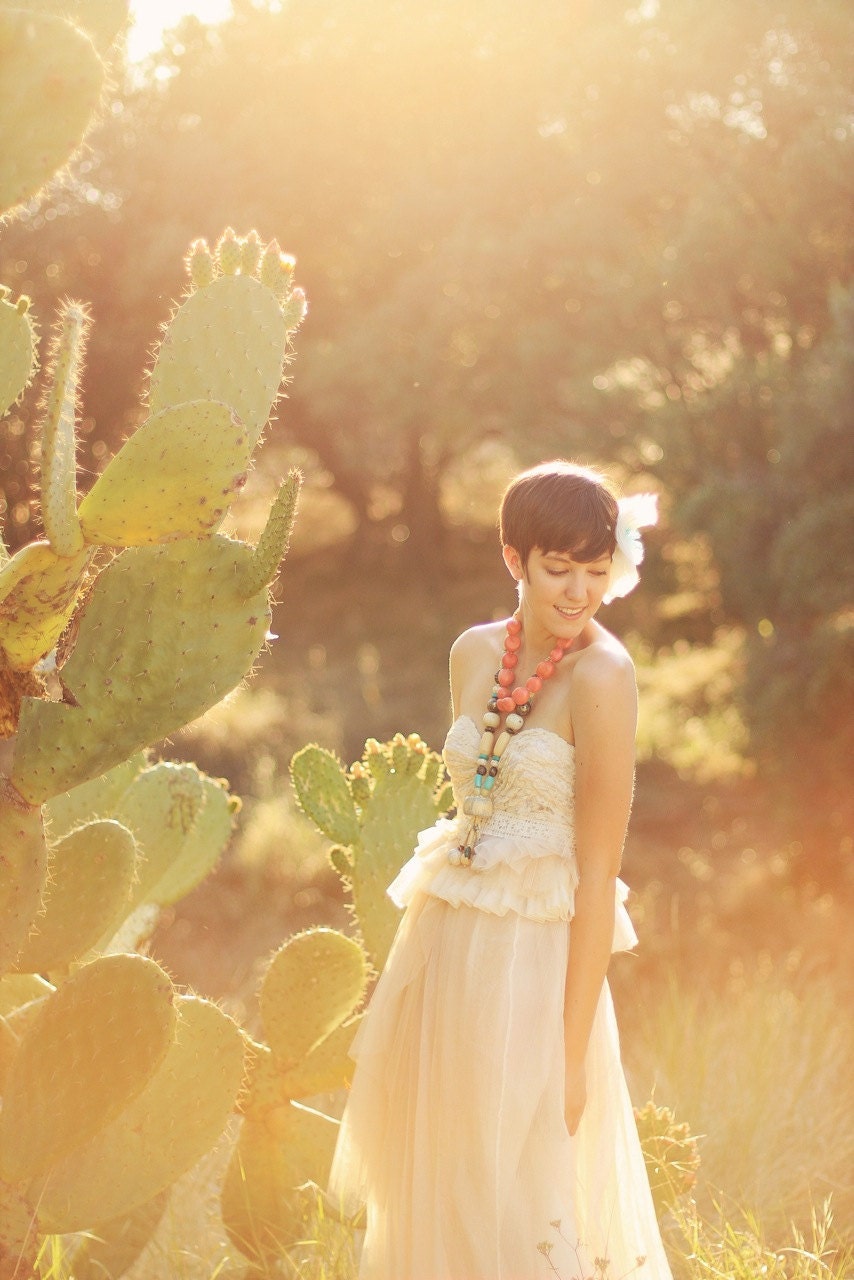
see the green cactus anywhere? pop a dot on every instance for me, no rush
(18, 1243)
(17, 989)
(17, 348)
(175, 477)
(59, 457)
(38, 592)
(97, 798)
(88, 895)
(389, 796)
(102, 20)
(166, 633)
(308, 999)
(181, 821)
(23, 867)
(157, 1136)
(262, 1206)
(120, 1011)
(312, 985)
(51, 80)
(110, 1249)
(226, 342)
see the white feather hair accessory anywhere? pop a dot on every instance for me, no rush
(636, 512)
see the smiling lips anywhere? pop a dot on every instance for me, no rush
(569, 613)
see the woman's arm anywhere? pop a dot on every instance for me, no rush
(604, 719)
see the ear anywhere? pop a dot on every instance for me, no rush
(514, 563)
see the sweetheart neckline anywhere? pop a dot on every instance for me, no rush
(535, 728)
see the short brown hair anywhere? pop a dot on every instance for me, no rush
(559, 506)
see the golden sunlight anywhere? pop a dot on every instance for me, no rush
(150, 18)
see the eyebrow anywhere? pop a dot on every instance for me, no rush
(567, 555)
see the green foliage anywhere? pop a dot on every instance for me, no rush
(390, 795)
(670, 1153)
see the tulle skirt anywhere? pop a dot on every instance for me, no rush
(454, 1135)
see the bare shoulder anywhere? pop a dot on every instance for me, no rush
(475, 643)
(604, 661)
(603, 678)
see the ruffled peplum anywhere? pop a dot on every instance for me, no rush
(524, 866)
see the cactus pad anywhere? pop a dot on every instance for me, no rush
(275, 536)
(23, 865)
(17, 349)
(262, 1207)
(59, 441)
(113, 1247)
(314, 982)
(91, 1048)
(17, 989)
(165, 634)
(226, 342)
(38, 591)
(102, 20)
(88, 894)
(159, 1135)
(325, 1067)
(95, 799)
(51, 80)
(323, 794)
(181, 820)
(19, 1244)
(175, 477)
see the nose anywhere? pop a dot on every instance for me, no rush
(574, 586)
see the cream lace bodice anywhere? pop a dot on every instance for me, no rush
(525, 854)
(534, 791)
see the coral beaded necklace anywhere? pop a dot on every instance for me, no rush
(513, 702)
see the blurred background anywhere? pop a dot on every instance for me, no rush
(612, 232)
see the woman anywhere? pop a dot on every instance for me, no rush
(489, 1129)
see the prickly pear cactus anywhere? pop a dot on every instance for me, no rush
(309, 998)
(51, 81)
(18, 345)
(374, 812)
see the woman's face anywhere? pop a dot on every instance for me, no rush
(559, 595)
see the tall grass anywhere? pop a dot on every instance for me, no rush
(765, 1075)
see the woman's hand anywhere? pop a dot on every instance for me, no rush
(575, 1095)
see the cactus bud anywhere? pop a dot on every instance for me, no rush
(250, 254)
(228, 252)
(200, 264)
(294, 309)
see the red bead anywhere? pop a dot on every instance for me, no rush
(520, 696)
(533, 684)
(512, 643)
(545, 669)
(514, 626)
(506, 704)
(510, 660)
(505, 678)
(556, 653)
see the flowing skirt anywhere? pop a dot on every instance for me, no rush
(454, 1135)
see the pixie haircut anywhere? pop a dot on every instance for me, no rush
(559, 506)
